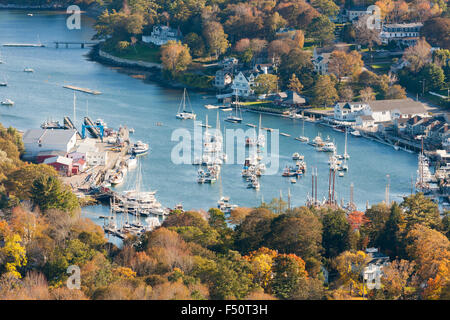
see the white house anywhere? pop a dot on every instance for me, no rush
(38, 140)
(242, 85)
(373, 272)
(356, 12)
(405, 33)
(161, 35)
(379, 110)
(222, 79)
(320, 61)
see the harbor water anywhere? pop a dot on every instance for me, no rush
(141, 105)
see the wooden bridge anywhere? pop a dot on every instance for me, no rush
(82, 44)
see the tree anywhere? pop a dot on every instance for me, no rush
(419, 209)
(397, 277)
(434, 77)
(277, 48)
(336, 231)
(238, 215)
(266, 83)
(288, 271)
(295, 84)
(195, 44)
(322, 29)
(367, 94)
(395, 92)
(342, 64)
(437, 31)
(430, 250)
(299, 62)
(299, 232)
(261, 262)
(325, 93)
(47, 192)
(12, 253)
(251, 232)
(175, 57)
(418, 55)
(326, 7)
(364, 35)
(388, 234)
(274, 22)
(345, 94)
(216, 38)
(350, 266)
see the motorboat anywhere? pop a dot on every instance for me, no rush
(7, 102)
(297, 156)
(328, 147)
(139, 148)
(29, 70)
(355, 133)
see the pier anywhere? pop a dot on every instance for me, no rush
(24, 45)
(92, 128)
(85, 90)
(69, 125)
(82, 44)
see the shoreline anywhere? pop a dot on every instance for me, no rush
(153, 71)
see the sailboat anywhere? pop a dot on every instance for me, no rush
(184, 114)
(4, 83)
(235, 118)
(261, 141)
(303, 138)
(346, 155)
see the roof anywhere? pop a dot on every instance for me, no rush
(294, 98)
(367, 118)
(404, 25)
(58, 159)
(48, 136)
(51, 153)
(405, 106)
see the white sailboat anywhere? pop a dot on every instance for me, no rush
(303, 138)
(3, 83)
(261, 141)
(237, 116)
(184, 114)
(346, 155)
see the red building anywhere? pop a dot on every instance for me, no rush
(61, 164)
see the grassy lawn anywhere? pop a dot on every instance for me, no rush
(139, 51)
(252, 103)
(382, 66)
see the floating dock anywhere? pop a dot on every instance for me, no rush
(24, 45)
(85, 90)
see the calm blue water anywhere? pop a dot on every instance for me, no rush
(128, 101)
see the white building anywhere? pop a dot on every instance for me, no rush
(374, 271)
(405, 33)
(355, 13)
(38, 140)
(320, 61)
(242, 85)
(93, 155)
(161, 35)
(379, 110)
(222, 79)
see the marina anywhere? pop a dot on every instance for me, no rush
(128, 101)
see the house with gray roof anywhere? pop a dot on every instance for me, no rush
(380, 110)
(38, 140)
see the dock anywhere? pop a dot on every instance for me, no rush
(24, 45)
(82, 44)
(93, 130)
(85, 90)
(69, 125)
